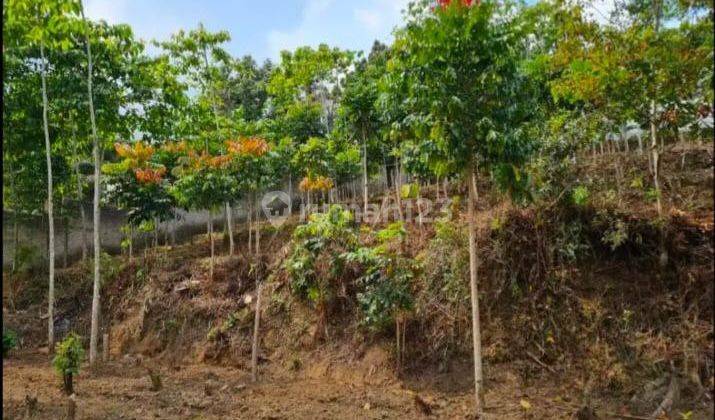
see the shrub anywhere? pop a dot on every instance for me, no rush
(579, 195)
(324, 238)
(315, 266)
(68, 356)
(385, 287)
(9, 342)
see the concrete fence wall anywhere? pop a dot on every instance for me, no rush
(33, 232)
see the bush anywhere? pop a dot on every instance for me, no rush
(323, 239)
(9, 342)
(385, 287)
(68, 357)
(580, 195)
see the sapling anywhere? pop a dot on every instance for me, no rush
(68, 356)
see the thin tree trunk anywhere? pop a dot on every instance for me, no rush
(290, 194)
(398, 188)
(419, 204)
(105, 345)
(173, 231)
(66, 233)
(131, 243)
(397, 336)
(258, 227)
(50, 215)
(364, 171)
(653, 127)
(15, 241)
(476, 328)
(250, 227)
(83, 216)
(437, 191)
(256, 326)
(640, 145)
(94, 335)
(211, 240)
(11, 277)
(229, 225)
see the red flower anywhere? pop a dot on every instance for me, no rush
(465, 3)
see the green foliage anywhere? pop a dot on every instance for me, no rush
(204, 188)
(385, 285)
(652, 195)
(455, 76)
(68, 355)
(219, 332)
(9, 341)
(571, 242)
(616, 234)
(580, 195)
(321, 241)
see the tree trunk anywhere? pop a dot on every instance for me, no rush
(398, 188)
(248, 222)
(67, 385)
(436, 198)
(419, 204)
(105, 345)
(66, 234)
(364, 172)
(290, 194)
(256, 325)
(211, 240)
(476, 328)
(83, 216)
(50, 215)
(11, 277)
(397, 336)
(96, 151)
(229, 225)
(258, 227)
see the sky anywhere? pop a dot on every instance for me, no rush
(264, 28)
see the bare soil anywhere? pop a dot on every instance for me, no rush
(121, 389)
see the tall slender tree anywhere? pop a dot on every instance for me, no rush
(460, 61)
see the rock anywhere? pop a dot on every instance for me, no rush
(367, 406)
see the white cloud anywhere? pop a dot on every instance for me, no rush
(381, 15)
(301, 35)
(339, 23)
(113, 11)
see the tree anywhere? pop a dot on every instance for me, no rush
(94, 329)
(253, 169)
(199, 56)
(459, 67)
(47, 25)
(358, 106)
(204, 183)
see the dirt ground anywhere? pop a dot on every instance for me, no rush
(121, 389)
